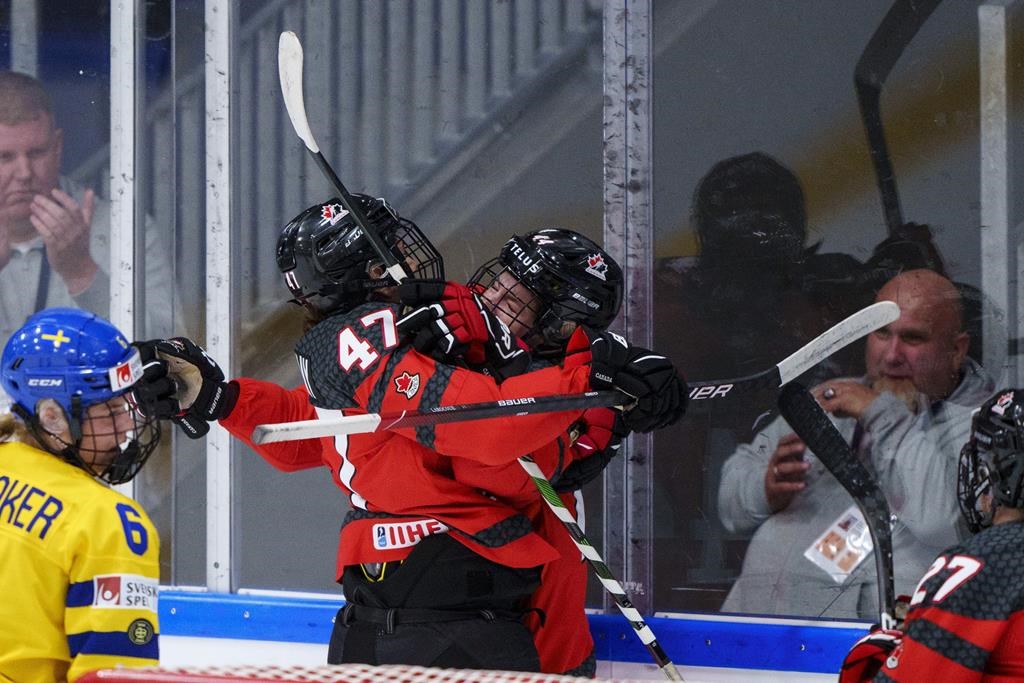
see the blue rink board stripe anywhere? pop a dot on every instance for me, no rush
(719, 642)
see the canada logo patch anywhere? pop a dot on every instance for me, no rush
(333, 212)
(596, 266)
(1002, 403)
(407, 384)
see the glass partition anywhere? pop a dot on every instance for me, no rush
(770, 228)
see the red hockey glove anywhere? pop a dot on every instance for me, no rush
(868, 655)
(599, 435)
(452, 324)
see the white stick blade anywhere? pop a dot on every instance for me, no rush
(861, 323)
(314, 429)
(289, 71)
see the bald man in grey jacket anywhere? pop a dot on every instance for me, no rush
(907, 420)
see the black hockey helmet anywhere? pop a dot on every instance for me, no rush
(575, 280)
(752, 207)
(328, 262)
(992, 461)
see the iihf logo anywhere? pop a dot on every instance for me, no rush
(596, 266)
(333, 212)
(382, 540)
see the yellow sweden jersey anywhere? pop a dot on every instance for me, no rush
(79, 572)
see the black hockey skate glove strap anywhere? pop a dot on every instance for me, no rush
(649, 377)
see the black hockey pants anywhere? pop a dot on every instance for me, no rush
(444, 606)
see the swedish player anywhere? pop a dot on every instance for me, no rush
(80, 561)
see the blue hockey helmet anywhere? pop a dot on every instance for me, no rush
(78, 360)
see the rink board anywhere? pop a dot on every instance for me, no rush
(692, 640)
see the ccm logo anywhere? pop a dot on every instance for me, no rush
(713, 391)
(515, 401)
(45, 382)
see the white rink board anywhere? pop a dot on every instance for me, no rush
(189, 651)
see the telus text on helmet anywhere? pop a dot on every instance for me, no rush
(531, 264)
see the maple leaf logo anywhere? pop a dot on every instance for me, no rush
(407, 384)
(596, 266)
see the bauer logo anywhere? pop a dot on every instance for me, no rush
(405, 534)
(516, 401)
(710, 391)
(125, 591)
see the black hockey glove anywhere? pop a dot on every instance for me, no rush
(452, 325)
(200, 393)
(650, 378)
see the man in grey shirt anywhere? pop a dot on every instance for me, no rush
(54, 235)
(907, 420)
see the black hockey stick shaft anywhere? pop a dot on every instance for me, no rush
(836, 337)
(290, 67)
(891, 38)
(604, 574)
(816, 430)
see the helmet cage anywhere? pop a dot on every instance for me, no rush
(576, 282)
(77, 360)
(330, 265)
(992, 461)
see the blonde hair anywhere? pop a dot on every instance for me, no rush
(22, 98)
(13, 429)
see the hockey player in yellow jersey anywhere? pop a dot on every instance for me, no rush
(79, 569)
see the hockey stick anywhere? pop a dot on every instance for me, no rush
(812, 425)
(289, 70)
(604, 574)
(892, 36)
(836, 337)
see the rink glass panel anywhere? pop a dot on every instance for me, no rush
(475, 155)
(777, 77)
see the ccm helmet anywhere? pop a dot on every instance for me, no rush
(78, 359)
(576, 282)
(992, 461)
(327, 261)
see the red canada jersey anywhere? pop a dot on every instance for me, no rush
(966, 620)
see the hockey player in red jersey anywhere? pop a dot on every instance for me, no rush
(966, 618)
(442, 621)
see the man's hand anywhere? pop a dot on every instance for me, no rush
(786, 472)
(65, 226)
(844, 397)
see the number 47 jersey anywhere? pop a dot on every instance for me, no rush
(79, 570)
(966, 620)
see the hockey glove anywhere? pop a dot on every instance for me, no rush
(650, 378)
(452, 325)
(868, 655)
(201, 395)
(597, 436)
